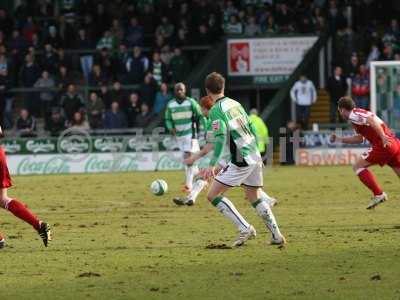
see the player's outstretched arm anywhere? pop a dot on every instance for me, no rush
(355, 139)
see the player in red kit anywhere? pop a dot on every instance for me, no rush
(385, 147)
(16, 207)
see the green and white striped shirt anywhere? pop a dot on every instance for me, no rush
(231, 125)
(185, 117)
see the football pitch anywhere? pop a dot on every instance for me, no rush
(112, 239)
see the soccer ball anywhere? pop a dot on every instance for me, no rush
(159, 187)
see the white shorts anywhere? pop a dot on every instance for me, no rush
(187, 144)
(233, 175)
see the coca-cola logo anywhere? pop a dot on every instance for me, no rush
(122, 163)
(53, 165)
(169, 162)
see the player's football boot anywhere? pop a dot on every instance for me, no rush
(250, 233)
(280, 240)
(183, 201)
(45, 233)
(2, 241)
(376, 200)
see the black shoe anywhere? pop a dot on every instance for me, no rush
(189, 202)
(179, 201)
(45, 233)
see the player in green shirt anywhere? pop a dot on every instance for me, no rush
(183, 119)
(231, 127)
(206, 103)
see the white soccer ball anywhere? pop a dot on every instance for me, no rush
(159, 187)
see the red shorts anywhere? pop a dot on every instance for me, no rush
(384, 156)
(5, 179)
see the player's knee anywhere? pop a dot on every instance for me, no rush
(357, 169)
(210, 197)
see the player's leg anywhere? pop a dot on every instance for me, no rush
(190, 172)
(223, 181)
(267, 198)
(20, 210)
(252, 185)
(368, 179)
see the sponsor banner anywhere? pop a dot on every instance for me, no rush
(266, 56)
(96, 162)
(82, 143)
(320, 139)
(328, 156)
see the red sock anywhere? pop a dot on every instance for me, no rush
(21, 211)
(369, 181)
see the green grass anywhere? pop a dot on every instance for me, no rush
(138, 246)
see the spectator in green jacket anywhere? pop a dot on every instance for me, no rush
(261, 131)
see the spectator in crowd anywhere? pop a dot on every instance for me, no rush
(117, 31)
(71, 102)
(95, 110)
(84, 42)
(234, 26)
(134, 33)
(4, 87)
(53, 38)
(135, 66)
(6, 22)
(49, 59)
(179, 66)
(63, 59)
(78, 122)
(360, 88)
(30, 73)
(119, 95)
(63, 78)
(148, 90)
(115, 118)
(165, 29)
(271, 26)
(158, 68)
(105, 95)
(97, 76)
(47, 96)
(353, 66)
(56, 123)
(107, 41)
(337, 88)
(26, 124)
(252, 28)
(105, 61)
(121, 61)
(133, 109)
(203, 36)
(162, 98)
(303, 93)
(144, 118)
(261, 132)
(292, 137)
(181, 38)
(373, 55)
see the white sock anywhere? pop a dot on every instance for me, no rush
(265, 197)
(189, 176)
(198, 186)
(226, 207)
(265, 212)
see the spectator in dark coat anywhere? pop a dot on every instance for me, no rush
(148, 90)
(95, 110)
(30, 73)
(119, 95)
(84, 42)
(133, 109)
(134, 33)
(114, 118)
(56, 123)
(71, 102)
(337, 88)
(120, 64)
(162, 98)
(179, 66)
(49, 59)
(360, 88)
(5, 84)
(26, 124)
(105, 96)
(135, 67)
(97, 76)
(144, 118)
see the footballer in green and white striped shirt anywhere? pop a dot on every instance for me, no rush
(183, 119)
(232, 127)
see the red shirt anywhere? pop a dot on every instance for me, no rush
(358, 118)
